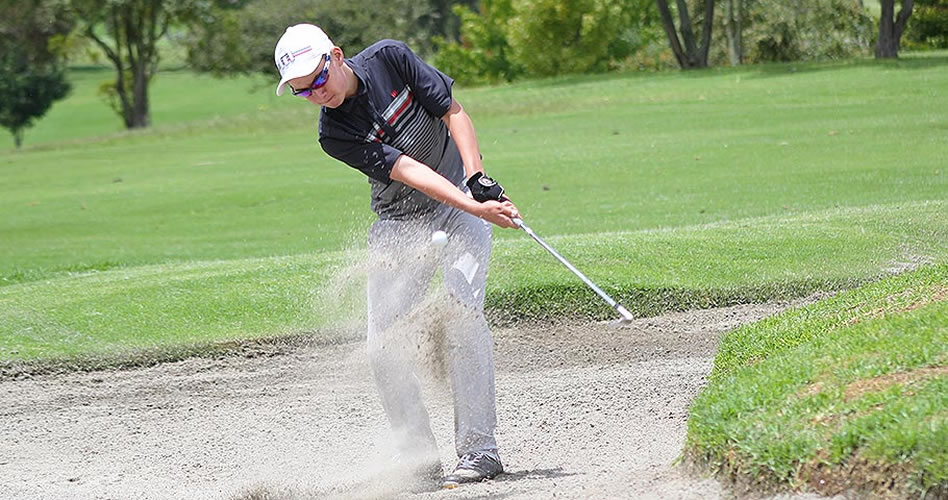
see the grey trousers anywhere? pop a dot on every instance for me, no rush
(402, 263)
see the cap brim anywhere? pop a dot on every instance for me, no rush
(295, 71)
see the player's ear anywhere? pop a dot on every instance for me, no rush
(336, 53)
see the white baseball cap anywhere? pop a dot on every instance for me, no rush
(299, 52)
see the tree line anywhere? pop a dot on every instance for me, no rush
(475, 41)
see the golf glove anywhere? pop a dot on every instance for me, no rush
(484, 188)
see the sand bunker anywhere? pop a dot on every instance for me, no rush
(584, 411)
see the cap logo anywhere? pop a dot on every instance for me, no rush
(289, 57)
(285, 60)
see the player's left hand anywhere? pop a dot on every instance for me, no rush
(484, 188)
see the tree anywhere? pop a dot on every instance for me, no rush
(689, 52)
(734, 29)
(128, 31)
(241, 42)
(551, 37)
(891, 27)
(31, 67)
(442, 21)
(27, 91)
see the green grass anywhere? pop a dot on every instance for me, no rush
(673, 190)
(579, 155)
(850, 392)
(157, 307)
(177, 97)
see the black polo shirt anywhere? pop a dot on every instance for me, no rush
(397, 110)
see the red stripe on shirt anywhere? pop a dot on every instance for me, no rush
(399, 111)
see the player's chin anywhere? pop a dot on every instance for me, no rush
(318, 102)
(332, 102)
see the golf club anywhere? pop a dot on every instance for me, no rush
(625, 315)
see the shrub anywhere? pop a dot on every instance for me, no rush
(483, 55)
(550, 37)
(805, 30)
(509, 38)
(928, 26)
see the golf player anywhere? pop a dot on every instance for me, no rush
(390, 115)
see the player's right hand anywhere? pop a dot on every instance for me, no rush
(500, 213)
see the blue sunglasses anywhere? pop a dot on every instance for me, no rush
(320, 80)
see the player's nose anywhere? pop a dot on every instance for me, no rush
(318, 97)
(322, 94)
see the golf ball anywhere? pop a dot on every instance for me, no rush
(439, 238)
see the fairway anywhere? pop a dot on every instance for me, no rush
(726, 156)
(197, 289)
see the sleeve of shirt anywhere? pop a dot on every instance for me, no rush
(431, 87)
(373, 159)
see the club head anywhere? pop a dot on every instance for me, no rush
(625, 317)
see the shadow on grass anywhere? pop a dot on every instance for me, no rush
(909, 61)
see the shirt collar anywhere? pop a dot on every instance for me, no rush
(360, 76)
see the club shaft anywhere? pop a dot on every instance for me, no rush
(605, 296)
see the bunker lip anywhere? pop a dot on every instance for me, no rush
(584, 410)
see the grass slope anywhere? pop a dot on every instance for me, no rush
(162, 307)
(846, 394)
